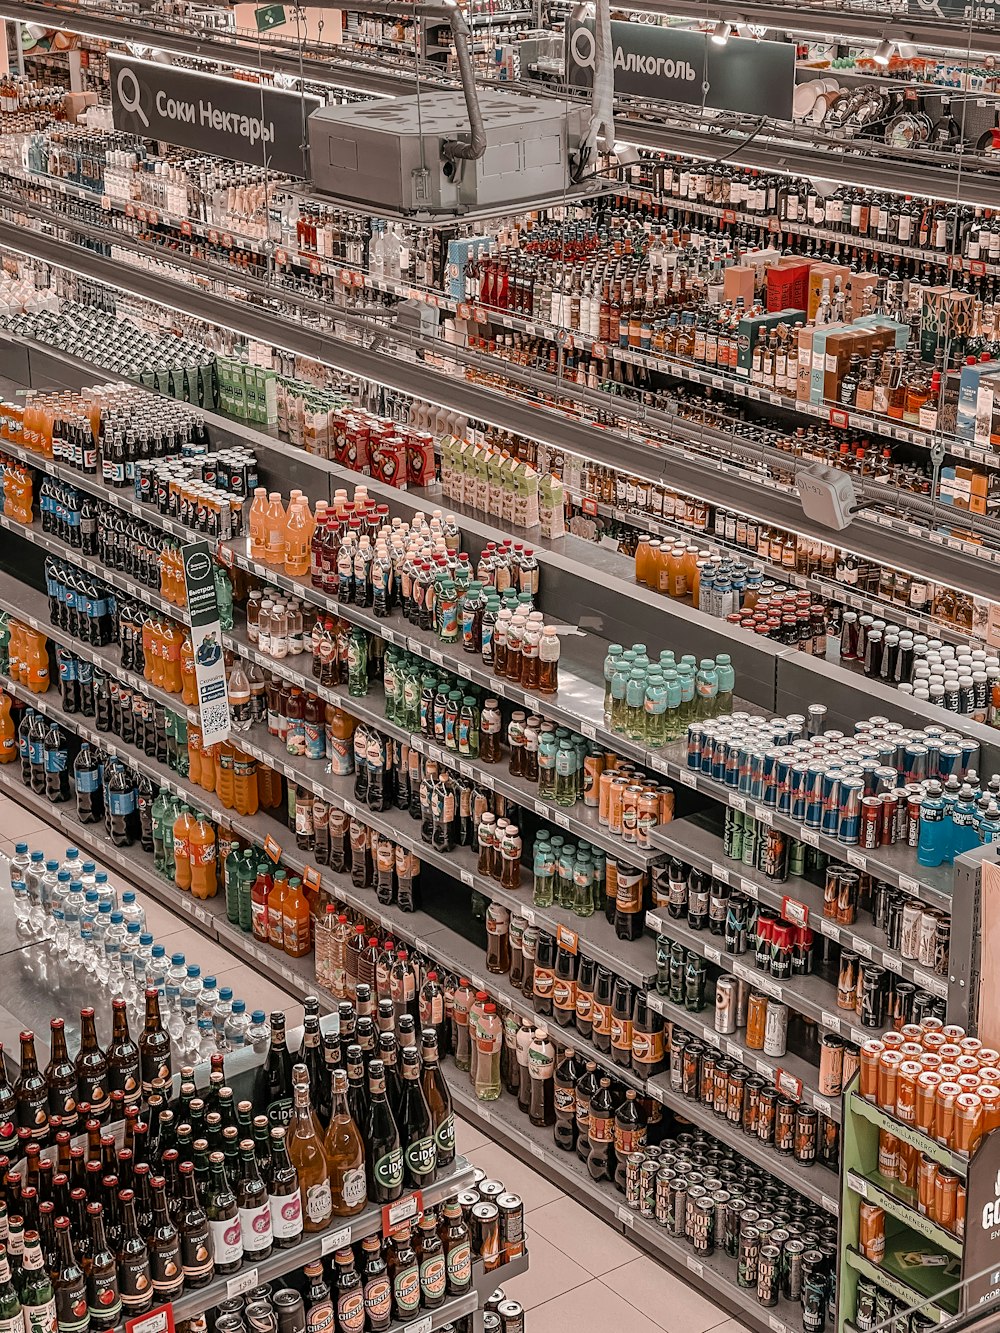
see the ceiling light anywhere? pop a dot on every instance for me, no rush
(907, 50)
(883, 52)
(720, 33)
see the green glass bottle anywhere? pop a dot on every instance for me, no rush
(38, 1299)
(11, 1319)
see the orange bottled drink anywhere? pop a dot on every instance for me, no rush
(296, 921)
(258, 524)
(35, 673)
(203, 858)
(297, 550)
(224, 775)
(8, 740)
(274, 549)
(15, 650)
(182, 848)
(276, 908)
(208, 776)
(171, 641)
(195, 756)
(245, 796)
(189, 681)
(147, 649)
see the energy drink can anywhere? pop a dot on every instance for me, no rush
(768, 1275)
(849, 830)
(748, 1260)
(813, 817)
(725, 1005)
(871, 822)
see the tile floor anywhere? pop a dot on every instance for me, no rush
(583, 1275)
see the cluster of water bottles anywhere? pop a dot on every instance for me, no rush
(74, 909)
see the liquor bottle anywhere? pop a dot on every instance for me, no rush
(345, 1155)
(305, 1148)
(383, 1154)
(457, 1248)
(92, 1068)
(283, 1193)
(438, 1098)
(196, 1240)
(415, 1126)
(38, 1302)
(165, 1264)
(273, 1089)
(11, 1318)
(70, 1283)
(30, 1093)
(223, 1217)
(255, 1211)
(60, 1075)
(154, 1045)
(124, 1074)
(349, 1297)
(376, 1286)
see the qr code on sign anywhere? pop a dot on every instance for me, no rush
(215, 717)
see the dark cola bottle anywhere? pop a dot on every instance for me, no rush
(568, 1073)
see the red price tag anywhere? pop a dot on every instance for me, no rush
(185, 228)
(589, 505)
(568, 939)
(774, 225)
(600, 351)
(314, 266)
(312, 878)
(795, 912)
(788, 1084)
(158, 1320)
(838, 417)
(479, 314)
(213, 236)
(141, 214)
(645, 199)
(272, 849)
(463, 310)
(728, 215)
(225, 555)
(227, 240)
(130, 210)
(345, 277)
(395, 1214)
(956, 262)
(153, 217)
(977, 266)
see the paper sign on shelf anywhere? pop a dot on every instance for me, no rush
(158, 1320)
(206, 642)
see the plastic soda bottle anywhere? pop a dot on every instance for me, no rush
(182, 849)
(202, 853)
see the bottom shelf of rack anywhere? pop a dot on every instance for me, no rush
(714, 1275)
(918, 1286)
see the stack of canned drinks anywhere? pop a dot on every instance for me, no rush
(782, 1246)
(206, 490)
(856, 789)
(876, 1309)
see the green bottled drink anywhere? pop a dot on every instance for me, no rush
(38, 1299)
(565, 774)
(232, 873)
(11, 1319)
(391, 684)
(674, 726)
(565, 859)
(618, 712)
(614, 653)
(583, 885)
(357, 663)
(544, 873)
(246, 875)
(707, 688)
(656, 711)
(547, 750)
(158, 815)
(635, 699)
(685, 673)
(727, 684)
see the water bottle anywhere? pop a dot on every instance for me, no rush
(132, 910)
(203, 1046)
(105, 891)
(174, 976)
(48, 884)
(60, 936)
(221, 1014)
(259, 1032)
(208, 998)
(142, 960)
(60, 891)
(114, 938)
(129, 946)
(157, 974)
(19, 864)
(71, 863)
(237, 1026)
(22, 909)
(98, 932)
(88, 876)
(73, 913)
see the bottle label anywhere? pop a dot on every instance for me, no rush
(196, 1252)
(602, 1018)
(544, 981)
(167, 1270)
(406, 1287)
(389, 1170)
(351, 1311)
(286, 1216)
(154, 1064)
(62, 1101)
(444, 1136)
(621, 1033)
(601, 1128)
(280, 1111)
(433, 1277)
(647, 1047)
(584, 1005)
(121, 802)
(378, 1301)
(421, 1157)
(71, 1306)
(459, 1264)
(629, 1140)
(255, 1224)
(39, 1318)
(565, 1099)
(87, 780)
(354, 1187)
(136, 1283)
(564, 994)
(104, 1301)
(32, 1113)
(319, 1318)
(124, 1077)
(227, 1240)
(93, 1088)
(319, 1202)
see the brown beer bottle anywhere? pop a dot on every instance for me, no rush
(431, 1262)
(376, 1286)
(196, 1241)
(31, 1097)
(457, 1248)
(438, 1098)
(164, 1247)
(133, 1262)
(345, 1154)
(70, 1284)
(60, 1075)
(92, 1068)
(104, 1301)
(621, 1023)
(154, 1044)
(123, 1057)
(564, 987)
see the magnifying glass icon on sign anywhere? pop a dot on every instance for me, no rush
(130, 100)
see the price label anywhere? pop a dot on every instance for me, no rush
(335, 1240)
(350, 809)
(795, 912)
(541, 809)
(863, 947)
(763, 1068)
(720, 872)
(393, 1214)
(561, 818)
(569, 939)
(829, 1020)
(713, 1038)
(763, 815)
(831, 1205)
(749, 889)
(625, 1216)
(466, 877)
(654, 921)
(529, 915)
(775, 1324)
(909, 885)
(810, 836)
(713, 954)
(687, 778)
(213, 236)
(242, 1282)
(422, 1325)
(830, 929)
(436, 657)
(823, 1106)
(272, 848)
(312, 878)
(589, 730)
(838, 417)
(857, 859)
(738, 803)
(858, 1184)
(694, 1265)
(769, 986)
(788, 1084)
(315, 266)
(158, 1320)
(185, 228)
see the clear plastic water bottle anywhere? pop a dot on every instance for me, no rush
(208, 998)
(19, 863)
(141, 961)
(88, 876)
(73, 912)
(259, 1032)
(129, 946)
(98, 932)
(72, 863)
(237, 1025)
(132, 910)
(33, 880)
(60, 891)
(221, 1013)
(204, 1041)
(190, 991)
(48, 884)
(60, 935)
(157, 973)
(105, 889)
(22, 910)
(113, 937)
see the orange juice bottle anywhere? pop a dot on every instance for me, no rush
(258, 524)
(224, 776)
(274, 551)
(203, 858)
(642, 559)
(245, 796)
(297, 550)
(189, 681)
(8, 740)
(296, 921)
(195, 755)
(276, 909)
(182, 848)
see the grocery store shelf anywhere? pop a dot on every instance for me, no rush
(698, 844)
(911, 1298)
(714, 1275)
(931, 1148)
(883, 1196)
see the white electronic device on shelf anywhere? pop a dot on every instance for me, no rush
(827, 496)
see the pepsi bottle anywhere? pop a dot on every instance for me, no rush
(123, 823)
(24, 744)
(102, 700)
(88, 527)
(87, 780)
(68, 680)
(85, 687)
(52, 588)
(36, 747)
(56, 765)
(145, 796)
